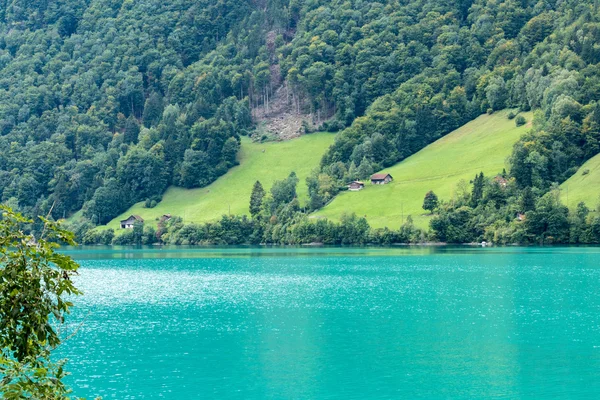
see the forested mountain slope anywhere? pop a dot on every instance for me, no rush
(105, 103)
(78, 79)
(538, 57)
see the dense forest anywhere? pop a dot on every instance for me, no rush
(105, 103)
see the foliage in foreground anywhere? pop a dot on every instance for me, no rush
(34, 283)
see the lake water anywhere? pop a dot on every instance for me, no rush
(337, 323)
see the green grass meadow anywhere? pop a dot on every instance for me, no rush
(481, 145)
(266, 162)
(583, 187)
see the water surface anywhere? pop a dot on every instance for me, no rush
(320, 323)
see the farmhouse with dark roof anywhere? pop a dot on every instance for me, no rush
(381, 179)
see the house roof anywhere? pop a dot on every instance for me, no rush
(379, 177)
(358, 182)
(135, 217)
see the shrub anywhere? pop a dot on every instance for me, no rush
(125, 238)
(585, 172)
(333, 126)
(520, 120)
(306, 128)
(151, 202)
(511, 115)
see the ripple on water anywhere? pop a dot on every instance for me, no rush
(472, 324)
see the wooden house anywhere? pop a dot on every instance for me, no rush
(381, 179)
(164, 218)
(131, 221)
(501, 181)
(355, 186)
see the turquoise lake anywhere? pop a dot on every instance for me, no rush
(329, 323)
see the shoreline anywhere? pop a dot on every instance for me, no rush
(327, 246)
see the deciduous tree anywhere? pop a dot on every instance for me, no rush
(35, 291)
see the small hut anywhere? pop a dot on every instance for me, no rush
(381, 179)
(501, 181)
(164, 218)
(355, 186)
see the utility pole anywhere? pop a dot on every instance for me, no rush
(403, 213)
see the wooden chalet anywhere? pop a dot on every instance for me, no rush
(164, 218)
(355, 186)
(131, 221)
(381, 179)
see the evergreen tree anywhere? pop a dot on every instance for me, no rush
(352, 172)
(430, 202)
(60, 197)
(527, 201)
(478, 185)
(314, 193)
(256, 198)
(153, 110)
(132, 130)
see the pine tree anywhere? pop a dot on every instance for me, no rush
(61, 197)
(153, 110)
(477, 193)
(365, 169)
(352, 172)
(256, 198)
(527, 201)
(132, 130)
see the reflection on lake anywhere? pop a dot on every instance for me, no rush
(337, 323)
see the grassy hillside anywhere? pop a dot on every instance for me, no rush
(266, 162)
(481, 145)
(583, 186)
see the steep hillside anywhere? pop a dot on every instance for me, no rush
(481, 145)
(583, 186)
(266, 162)
(105, 104)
